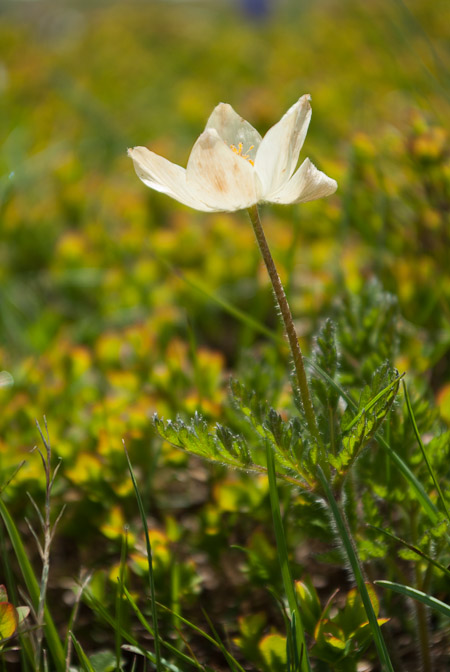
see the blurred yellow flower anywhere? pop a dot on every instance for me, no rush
(231, 167)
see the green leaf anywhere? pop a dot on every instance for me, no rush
(374, 405)
(284, 561)
(331, 644)
(351, 445)
(424, 453)
(290, 440)
(82, 657)
(325, 356)
(167, 645)
(169, 667)
(104, 661)
(381, 402)
(309, 603)
(151, 577)
(367, 332)
(414, 550)
(221, 446)
(22, 614)
(354, 614)
(325, 353)
(8, 620)
(418, 595)
(349, 546)
(51, 634)
(273, 651)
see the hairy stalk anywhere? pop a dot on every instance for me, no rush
(288, 324)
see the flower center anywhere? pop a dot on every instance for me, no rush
(239, 149)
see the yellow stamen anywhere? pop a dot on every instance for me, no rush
(238, 150)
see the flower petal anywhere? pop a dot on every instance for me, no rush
(219, 177)
(160, 174)
(277, 155)
(307, 184)
(233, 129)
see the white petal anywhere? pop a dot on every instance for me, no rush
(277, 155)
(307, 184)
(233, 129)
(160, 174)
(219, 177)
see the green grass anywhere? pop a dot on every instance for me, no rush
(117, 303)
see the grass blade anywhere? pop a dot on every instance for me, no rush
(100, 610)
(82, 657)
(416, 485)
(119, 596)
(414, 482)
(414, 549)
(348, 544)
(372, 402)
(283, 559)
(98, 607)
(51, 634)
(424, 453)
(151, 576)
(68, 643)
(143, 621)
(25, 648)
(232, 662)
(242, 317)
(418, 595)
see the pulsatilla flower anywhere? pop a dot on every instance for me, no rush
(232, 168)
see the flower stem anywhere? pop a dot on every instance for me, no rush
(288, 323)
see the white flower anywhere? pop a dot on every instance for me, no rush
(231, 167)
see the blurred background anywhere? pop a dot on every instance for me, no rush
(116, 302)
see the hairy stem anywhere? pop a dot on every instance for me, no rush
(288, 323)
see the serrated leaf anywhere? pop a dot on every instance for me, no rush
(326, 354)
(287, 438)
(352, 443)
(221, 445)
(374, 405)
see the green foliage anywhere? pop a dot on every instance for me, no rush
(296, 453)
(326, 356)
(52, 639)
(374, 405)
(273, 653)
(368, 332)
(103, 661)
(419, 595)
(220, 446)
(341, 637)
(11, 617)
(98, 277)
